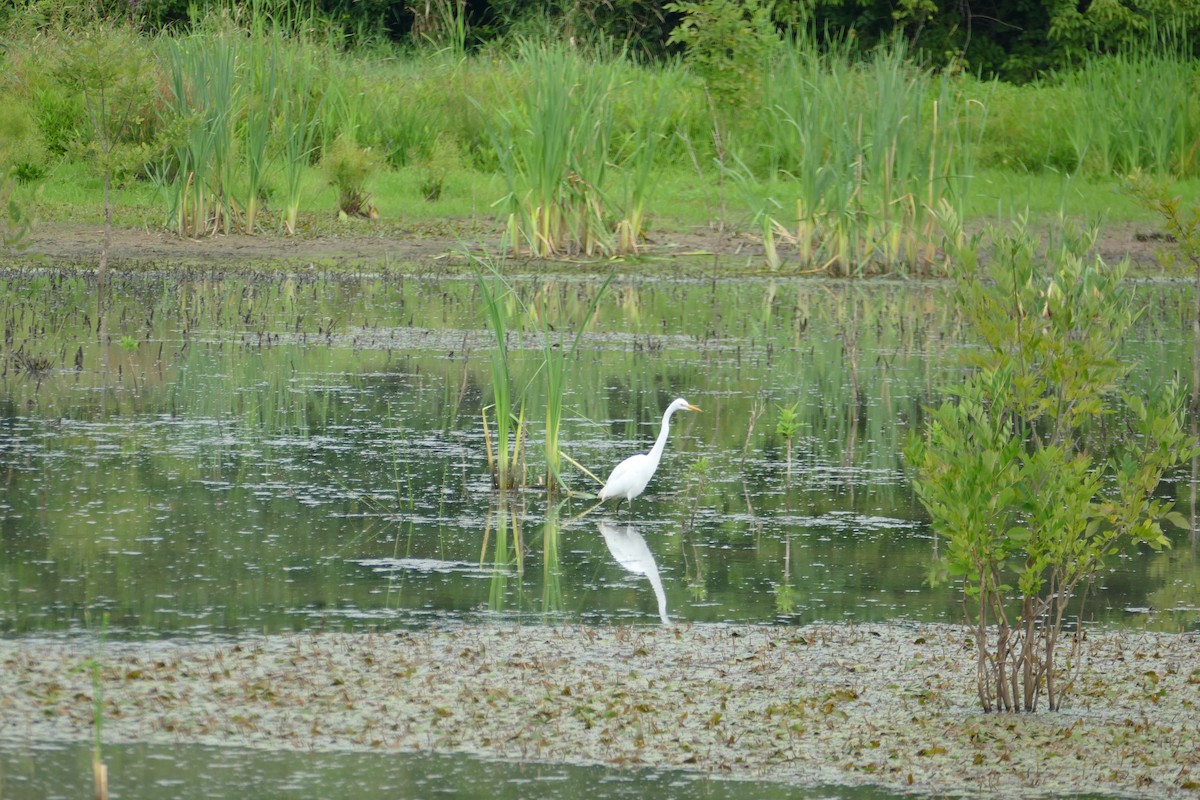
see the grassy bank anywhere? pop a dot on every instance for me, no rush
(832, 162)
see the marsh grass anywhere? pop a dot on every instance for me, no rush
(1136, 109)
(234, 102)
(652, 108)
(201, 104)
(260, 113)
(504, 457)
(554, 317)
(558, 144)
(874, 149)
(848, 157)
(297, 123)
(552, 142)
(556, 356)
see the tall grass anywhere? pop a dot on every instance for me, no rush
(651, 107)
(875, 149)
(553, 146)
(264, 69)
(296, 125)
(555, 358)
(234, 101)
(499, 301)
(201, 100)
(847, 160)
(504, 458)
(1136, 110)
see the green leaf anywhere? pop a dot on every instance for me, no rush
(1178, 520)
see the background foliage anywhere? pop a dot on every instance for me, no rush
(1011, 39)
(845, 141)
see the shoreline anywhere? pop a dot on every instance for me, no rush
(433, 249)
(891, 705)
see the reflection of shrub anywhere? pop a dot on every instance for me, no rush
(348, 166)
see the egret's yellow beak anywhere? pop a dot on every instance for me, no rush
(691, 407)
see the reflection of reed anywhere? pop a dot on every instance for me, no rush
(551, 589)
(507, 554)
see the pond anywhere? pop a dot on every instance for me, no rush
(233, 454)
(279, 453)
(46, 771)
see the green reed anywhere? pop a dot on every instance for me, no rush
(553, 147)
(407, 121)
(1137, 109)
(503, 461)
(296, 125)
(234, 102)
(264, 67)
(555, 358)
(874, 148)
(649, 105)
(201, 102)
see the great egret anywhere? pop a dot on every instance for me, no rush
(629, 478)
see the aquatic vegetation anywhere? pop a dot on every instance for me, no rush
(201, 102)
(787, 426)
(1135, 109)
(556, 357)
(503, 460)
(875, 150)
(553, 149)
(312, 424)
(892, 701)
(848, 154)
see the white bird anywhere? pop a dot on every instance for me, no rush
(629, 478)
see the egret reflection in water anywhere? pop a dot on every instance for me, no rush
(629, 548)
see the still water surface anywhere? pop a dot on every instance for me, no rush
(188, 772)
(276, 454)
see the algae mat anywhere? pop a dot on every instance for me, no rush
(890, 705)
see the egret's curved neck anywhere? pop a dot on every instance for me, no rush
(661, 442)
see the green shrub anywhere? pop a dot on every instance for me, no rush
(22, 154)
(727, 43)
(347, 167)
(1028, 481)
